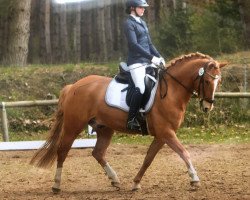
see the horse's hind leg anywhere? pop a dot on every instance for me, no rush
(68, 138)
(104, 136)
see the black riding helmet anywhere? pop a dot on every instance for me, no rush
(134, 4)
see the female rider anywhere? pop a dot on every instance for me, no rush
(141, 52)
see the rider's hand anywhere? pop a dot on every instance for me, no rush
(157, 61)
(163, 62)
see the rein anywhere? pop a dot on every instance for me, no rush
(162, 77)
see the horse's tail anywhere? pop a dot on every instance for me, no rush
(47, 154)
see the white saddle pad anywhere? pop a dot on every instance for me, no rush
(116, 98)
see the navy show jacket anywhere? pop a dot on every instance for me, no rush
(140, 47)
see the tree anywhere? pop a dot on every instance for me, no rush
(210, 27)
(108, 30)
(19, 32)
(93, 30)
(173, 36)
(102, 47)
(45, 44)
(64, 34)
(86, 44)
(77, 35)
(55, 34)
(244, 7)
(116, 27)
(4, 6)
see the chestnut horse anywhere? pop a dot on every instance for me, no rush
(83, 103)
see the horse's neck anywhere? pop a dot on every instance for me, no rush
(184, 73)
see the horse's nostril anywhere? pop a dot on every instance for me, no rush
(205, 110)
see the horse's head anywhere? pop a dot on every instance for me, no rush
(203, 80)
(209, 77)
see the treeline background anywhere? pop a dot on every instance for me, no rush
(42, 31)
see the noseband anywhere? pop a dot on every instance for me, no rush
(201, 74)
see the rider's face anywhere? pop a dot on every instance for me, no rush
(140, 11)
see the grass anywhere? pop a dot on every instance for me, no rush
(195, 135)
(221, 134)
(236, 58)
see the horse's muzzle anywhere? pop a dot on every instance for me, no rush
(206, 106)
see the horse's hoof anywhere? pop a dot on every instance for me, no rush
(116, 185)
(136, 187)
(195, 184)
(56, 190)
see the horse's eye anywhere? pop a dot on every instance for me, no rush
(207, 82)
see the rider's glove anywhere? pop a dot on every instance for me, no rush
(163, 62)
(157, 61)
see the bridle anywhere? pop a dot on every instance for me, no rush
(202, 72)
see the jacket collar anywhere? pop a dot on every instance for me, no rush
(142, 22)
(138, 19)
(133, 19)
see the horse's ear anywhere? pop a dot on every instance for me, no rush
(223, 64)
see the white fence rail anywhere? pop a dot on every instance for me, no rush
(4, 105)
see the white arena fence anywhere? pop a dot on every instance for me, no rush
(18, 104)
(28, 145)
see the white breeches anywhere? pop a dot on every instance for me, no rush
(138, 72)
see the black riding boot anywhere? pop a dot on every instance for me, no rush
(132, 123)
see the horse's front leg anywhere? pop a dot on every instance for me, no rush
(154, 148)
(176, 145)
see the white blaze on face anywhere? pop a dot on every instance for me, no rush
(216, 81)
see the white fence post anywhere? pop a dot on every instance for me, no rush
(5, 123)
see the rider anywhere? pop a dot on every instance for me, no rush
(141, 52)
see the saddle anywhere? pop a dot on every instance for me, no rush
(124, 77)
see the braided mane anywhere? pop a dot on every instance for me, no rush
(188, 57)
